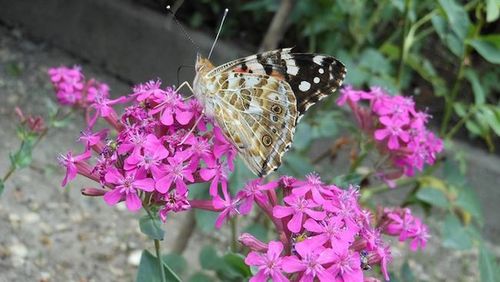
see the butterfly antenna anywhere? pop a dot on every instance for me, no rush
(169, 9)
(218, 32)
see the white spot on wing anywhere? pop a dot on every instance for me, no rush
(304, 86)
(318, 59)
(292, 70)
(321, 70)
(316, 79)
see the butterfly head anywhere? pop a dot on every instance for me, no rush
(203, 65)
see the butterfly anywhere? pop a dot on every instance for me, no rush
(258, 100)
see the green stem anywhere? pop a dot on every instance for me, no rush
(450, 99)
(357, 162)
(369, 25)
(368, 192)
(234, 230)
(402, 47)
(460, 123)
(9, 173)
(160, 263)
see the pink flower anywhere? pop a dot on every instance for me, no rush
(200, 149)
(103, 108)
(254, 244)
(397, 128)
(269, 264)
(177, 171)
(174, 202)
(71, 162)
(331, 230)
(394, 131)
(313, 185)
(151, 90)
(174, 109)
(127, 186)
(400, 223)
(382, 256)
(348, 94)
(254, 191)
(228, 207)
(222, 147)
(310, 262)
(151, 158)
(297, 207)
(419, 235)
(215, 172)
(346, 266)
(90, 139)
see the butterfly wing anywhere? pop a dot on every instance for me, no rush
(258, 113)
(312, 77)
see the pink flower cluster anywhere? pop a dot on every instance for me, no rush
(323, 232)
(163, 144)
(401, 223)
(399, 129)
(72, 88)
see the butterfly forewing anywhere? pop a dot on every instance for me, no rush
(258, 114)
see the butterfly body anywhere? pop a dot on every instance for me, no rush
(258, 100)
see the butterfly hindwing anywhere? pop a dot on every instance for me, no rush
(258, 113)
(311, 76)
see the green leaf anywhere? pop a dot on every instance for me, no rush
(460, 109)
(451, 40)
(457, 17)
(237, 263)
(176, 262)
(427, 71)
(209, 259)
(199, 190)
(489, 51)
(303, 136)
(455, 235)
(14, 68)
(200, 277)
(23, 157)
(2, 186)
(374, 61)
(433, 196)
(258, 230)
(477, 88)
(453, 173)
(205, 220)
(488, 268)
(468, 201)
(240, 176)
(151, 227)
(491, 117)
(492, 10)
(149, 269)
(297, 164)
(325, 125)
(406, 273)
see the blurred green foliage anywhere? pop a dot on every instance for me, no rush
(444, 52)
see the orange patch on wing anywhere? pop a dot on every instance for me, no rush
(278, 75)
(240, 70)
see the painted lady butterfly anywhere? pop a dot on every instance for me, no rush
(258, 100)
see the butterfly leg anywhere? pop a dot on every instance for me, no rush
(185, 83)
(192, 129)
